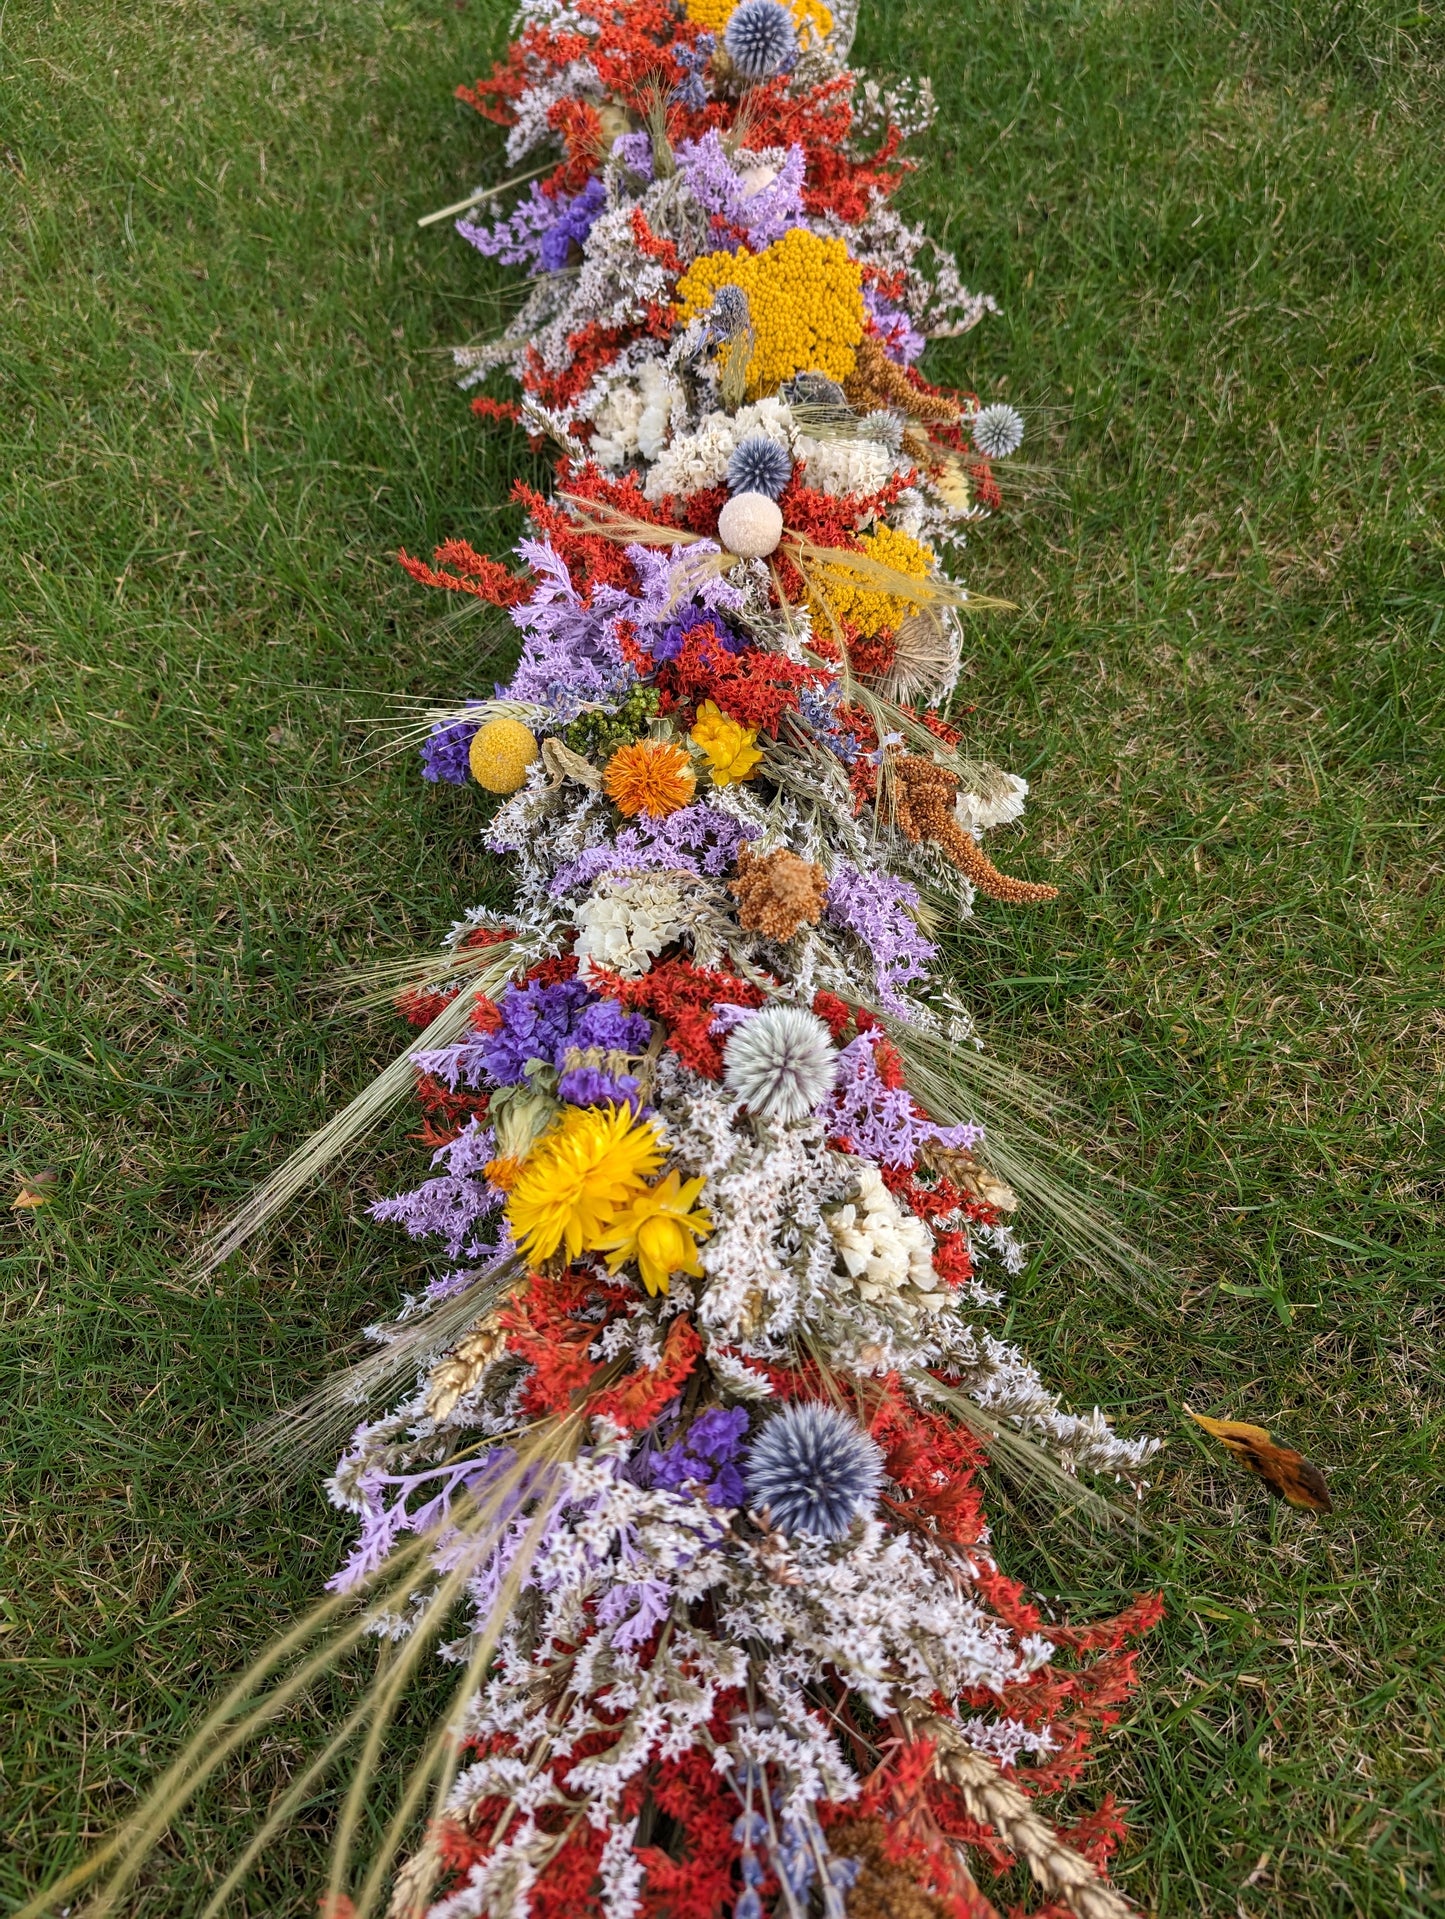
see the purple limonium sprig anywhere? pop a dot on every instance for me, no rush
(539, 233)
(895, 332)
(741, 196)
(590, 1086)
(444, 753)
(699, 839)
(875, 907)
(704, 1461)
(453, 1205)
(881, 1122)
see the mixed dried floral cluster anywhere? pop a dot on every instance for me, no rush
(744, 1641)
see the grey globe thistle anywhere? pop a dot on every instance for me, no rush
(814, 1469)
(998, 430)
(760, 39)
(780, 1063)
(729, 313)
(759, 465)
(815, 389)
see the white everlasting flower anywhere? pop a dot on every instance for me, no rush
(781, 1063)
(883, 1249)
(998, 430)
(977, 812)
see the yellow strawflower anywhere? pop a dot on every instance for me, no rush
(731, 749)
(855, 596)
(808, 15)
(805, 297)
(659, 1233)
(578, 1178)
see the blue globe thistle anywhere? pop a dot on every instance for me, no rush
(815, 1470)
(728, 314)
(759, 465)
(761, 39)
(998, 430)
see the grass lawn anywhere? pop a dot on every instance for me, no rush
(1214, 231)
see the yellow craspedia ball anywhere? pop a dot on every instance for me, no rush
(501, 751)
(805, 298)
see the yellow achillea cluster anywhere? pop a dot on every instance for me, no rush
(855, 597)
(806, 299)
(731, 749)
(808, 15)
(583, 1189)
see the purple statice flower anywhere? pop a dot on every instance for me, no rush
(705, 1459)
(444, 754)
(896, 333)
(634, 151)
(572, 653)
(743, 196)
(875, 907)
(539, 233)
(699, 839)
(881, 1122)
(537, 1023)
(590, 1086)
(605, 1024)
(454, 1205)
(566, 643)
(701, 621)
(636, 1608)
(694, 59)
(574, 222)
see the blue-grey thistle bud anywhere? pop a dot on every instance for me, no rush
(759, 465)
(760, 39)
(814, 1469)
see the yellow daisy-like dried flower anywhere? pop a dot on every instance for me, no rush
(578, 1178)
(853, 596)
(805, 297)
(659, 1233)
(730, 748)
(651, 777)
(808, 15)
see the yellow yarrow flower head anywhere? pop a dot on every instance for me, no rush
(578, 1178)
(809, 16)
(856, 596)
(805, 297)
(659, 1233)
(730, 748)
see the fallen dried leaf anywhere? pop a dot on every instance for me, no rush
(35, 1191)
(1287, 1473)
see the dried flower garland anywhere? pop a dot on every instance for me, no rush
(692, 1442)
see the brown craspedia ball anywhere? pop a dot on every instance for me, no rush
(501, 751)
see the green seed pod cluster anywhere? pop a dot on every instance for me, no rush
(598, 735)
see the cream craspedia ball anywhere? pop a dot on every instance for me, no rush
(751, 525)
(501, 751)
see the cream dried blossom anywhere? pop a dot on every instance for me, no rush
(1003, 800)
(626, 923)
(845, 465)
(883, 1249)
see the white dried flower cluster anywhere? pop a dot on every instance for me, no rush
(625, 923)
(886, 1252)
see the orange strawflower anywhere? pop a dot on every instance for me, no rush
(651, 777)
